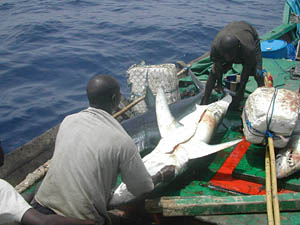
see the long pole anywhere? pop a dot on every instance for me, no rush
(273, 210)
(269, 189)
(274, 182)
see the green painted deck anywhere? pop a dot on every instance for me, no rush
(216, 205)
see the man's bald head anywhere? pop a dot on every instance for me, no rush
(103, 92)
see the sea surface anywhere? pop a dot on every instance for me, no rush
(49, 49)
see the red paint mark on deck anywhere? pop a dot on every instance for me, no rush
(224, 180)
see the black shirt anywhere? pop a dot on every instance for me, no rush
(249, 52)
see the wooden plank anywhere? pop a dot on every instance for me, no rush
(215, 205)
(286, 14)
(286, 218)
(278, 32)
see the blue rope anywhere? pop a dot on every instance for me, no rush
(269, 134)
(261, 72)
(250, 128)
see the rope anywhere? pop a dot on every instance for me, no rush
(31, 178)
(268, 132)
(273, 211)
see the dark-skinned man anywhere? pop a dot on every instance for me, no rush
(91, 149)
(236, 43)
(14, 208)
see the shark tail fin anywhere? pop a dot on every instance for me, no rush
(165, 120)
(149, 99)
(200, 149)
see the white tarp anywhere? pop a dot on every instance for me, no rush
(164, 75)
(277, 107)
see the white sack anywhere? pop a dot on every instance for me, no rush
(259, 105)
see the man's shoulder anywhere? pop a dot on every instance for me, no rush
(73, 115)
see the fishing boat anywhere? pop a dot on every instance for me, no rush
(231, 189)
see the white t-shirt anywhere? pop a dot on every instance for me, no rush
(12, 204)
(91, 149)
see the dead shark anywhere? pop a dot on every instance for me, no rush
(143, 129)
(288, 158)
(180, 142)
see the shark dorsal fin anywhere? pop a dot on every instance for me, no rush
(165, 120)
(200, 149)
(149, 99)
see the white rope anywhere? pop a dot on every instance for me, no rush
(33, 177)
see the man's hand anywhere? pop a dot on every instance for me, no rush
(167, 173)
(219, 89)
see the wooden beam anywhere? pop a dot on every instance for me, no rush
(215, 205)
(278, 31)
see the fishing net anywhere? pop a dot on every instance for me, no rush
(154, 76)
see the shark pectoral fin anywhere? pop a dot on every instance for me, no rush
(166, 122)
(200, 149)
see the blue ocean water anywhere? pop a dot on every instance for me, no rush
(49, 49)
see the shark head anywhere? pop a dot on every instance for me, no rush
(288, 158)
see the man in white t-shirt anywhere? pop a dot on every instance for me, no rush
(13, 208)
(91, 149)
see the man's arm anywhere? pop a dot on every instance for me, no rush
(167, 173)
(214, 75)
(135, 175)
(138, 180)
(244, 79)
(34, 217)
(258, 76)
